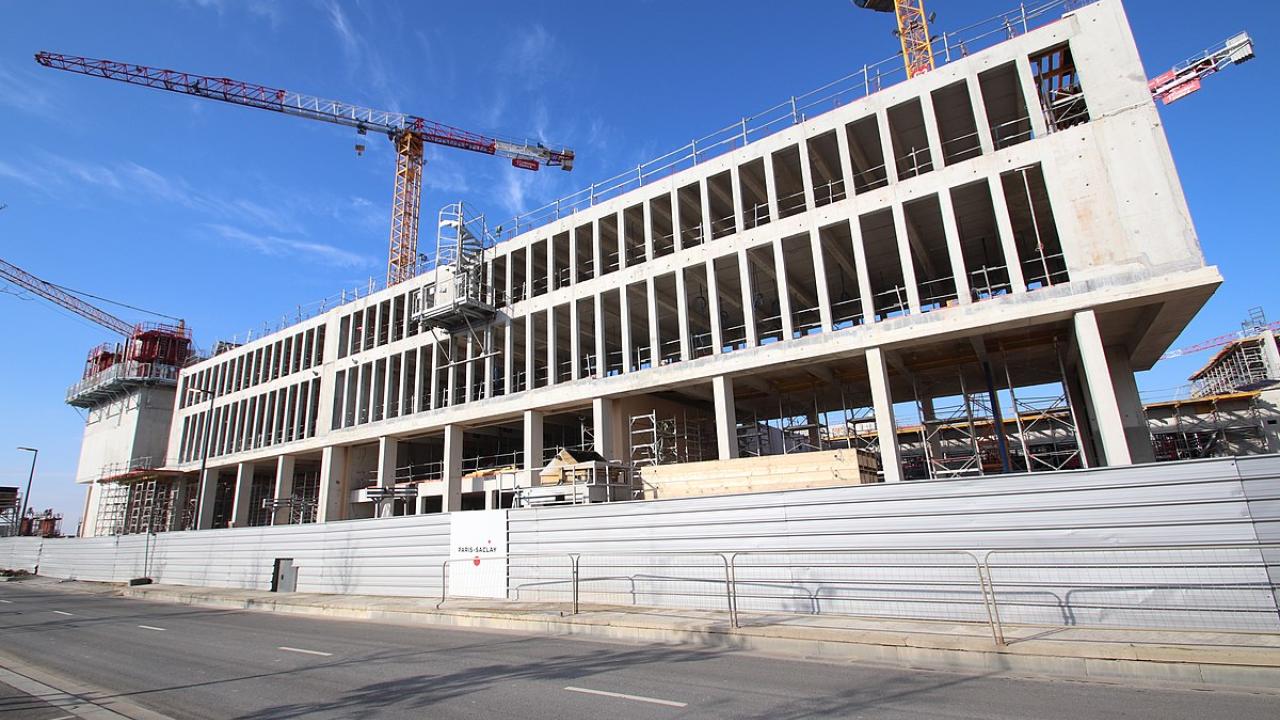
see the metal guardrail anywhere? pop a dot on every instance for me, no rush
(1216, 588)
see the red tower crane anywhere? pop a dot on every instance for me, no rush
(407, 132)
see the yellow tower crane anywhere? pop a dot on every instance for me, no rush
(913, 31)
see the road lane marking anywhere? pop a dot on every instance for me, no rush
(60, 612)
(624, 696)
(286, 648)
(151, 627)
(7, 602)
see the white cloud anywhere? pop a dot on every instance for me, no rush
(20, 89)
(363, 60)
(277, 246)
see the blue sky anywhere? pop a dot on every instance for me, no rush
(230, 217)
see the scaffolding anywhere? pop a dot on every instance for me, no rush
(1213, 426)
(667, 439)
(1240, 366)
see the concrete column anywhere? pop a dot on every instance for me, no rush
(1008, 244)
(573, 256)
(508, 357)
(647, 215)
(655, 336)
(509, 275)
(451, 372)
(1271, 353)
(726, 417)
(530, 364)
(624, 320)
(886, 423)
(1098, 377)
(784, 297)
(528, 271)
(846, 164)
(551, 263)
(208, 489)
(469, 372)
(434, 402)
(705, 193)
(748, 310)
(388, 449)
(600, 326)
(886, 146)
(575, 342)
(1029, 93)
(333, 468)
(931, 131)
(864, 273)
(1132, 414)
(532, 440)
(713, 308)
(244, 489)
(603, 422)
(820, 274)
(771, 188)
(682, 316)
(676, 240)
(488, 362)
(954, 250)
(1086, 430)
(452, 500)
(597, 252)
(980, 114)
(736, 183)
(806, 173)
(553, 356)
(284, 487)
(904, 256)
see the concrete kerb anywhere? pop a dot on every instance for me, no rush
(1103, 660)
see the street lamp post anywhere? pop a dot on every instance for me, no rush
(27, 495)
(204, 457)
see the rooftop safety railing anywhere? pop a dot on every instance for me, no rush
(868, 79)
(129, 370)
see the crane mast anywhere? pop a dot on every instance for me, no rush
(408, 133)
(912, 32)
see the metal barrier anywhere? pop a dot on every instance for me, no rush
(1223, 588)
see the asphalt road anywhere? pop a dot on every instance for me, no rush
(201, 663)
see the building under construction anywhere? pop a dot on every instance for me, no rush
(952, 275)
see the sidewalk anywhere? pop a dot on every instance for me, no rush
(1183, 658)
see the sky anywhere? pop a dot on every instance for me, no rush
(230, 217)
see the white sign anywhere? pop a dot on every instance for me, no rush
(478, 554)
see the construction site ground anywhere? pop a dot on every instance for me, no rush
(1179, 658)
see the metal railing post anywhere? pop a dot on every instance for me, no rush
(573, 561)
(989, 599)
(731, 587)
(444, 583)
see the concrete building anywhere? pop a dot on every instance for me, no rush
(1009, 222)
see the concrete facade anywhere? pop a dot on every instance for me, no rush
(955, 235)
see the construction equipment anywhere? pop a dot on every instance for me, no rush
(150, 351)
(407, 132)
(1254, 325)
(913, 31)
(1185, 78)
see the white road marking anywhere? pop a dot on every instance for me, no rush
(7, 602)
(151, 627)
(305, 652)
(65, 717)
(624, 696)
(62, 613)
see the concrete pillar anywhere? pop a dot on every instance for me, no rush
(508, 357)
(820, 272)
(864, 273)
(624, 320)
(676, 240)
(713, 308)
(208, 489)
(553, 357)
(530, 362)
(452, 500)
(771, 188)
(333, 468)
(244, 489)
(736, 183)
(980, 114)
(900, 232)
(726, 417)
(954, 250)
(806, 174)
(388, 449)
(575, 342)
(682, 316)
(597, 249)
(532, 440)
(434, 402)
(931, 131)
(647, 219)
(1132, 414)
(886, 424)
(599, 330)
(705, 193)
(655, 336)
(573, 256)
(284, 487)
(784, 296)
(748, 309)
(1032, 97)
(886, 146)
(1008, 244)
(846, 165)
(1098, 378)
(604, 422)
(488, 362)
